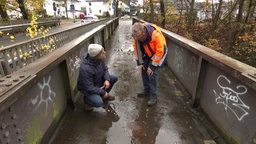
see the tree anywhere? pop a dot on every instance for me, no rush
(23, 9)
(151, 11)
(191, 14)
(35, 6)
(162, 8)
(145, 9)
(250, 10)
(3, 12)
(216, 16)
(230, 29)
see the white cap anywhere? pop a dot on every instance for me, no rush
(94, 49)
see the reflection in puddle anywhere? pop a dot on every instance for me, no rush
(136, 128)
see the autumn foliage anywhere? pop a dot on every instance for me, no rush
(231, 32)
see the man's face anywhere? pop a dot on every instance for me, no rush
(137, 35)
(102, 55)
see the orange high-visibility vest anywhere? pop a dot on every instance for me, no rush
(155, 47)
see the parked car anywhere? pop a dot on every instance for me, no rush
(88, 19)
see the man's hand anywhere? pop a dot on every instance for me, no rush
(106, 84)
(141, 68)
(149, 71)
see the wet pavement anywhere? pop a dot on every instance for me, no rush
(170, 121)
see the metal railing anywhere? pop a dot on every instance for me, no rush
(21, 54)
(22, 21)
(22, 27)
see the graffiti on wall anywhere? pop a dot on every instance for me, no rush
(231, 98)
(74, 64)
(178, 60)
(192, 67)
(185, 64)
(46, 95)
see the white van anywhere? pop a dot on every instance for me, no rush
(88, 19)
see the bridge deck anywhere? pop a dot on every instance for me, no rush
(171, 121)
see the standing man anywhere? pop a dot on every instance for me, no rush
(94, 80)
(150, 51)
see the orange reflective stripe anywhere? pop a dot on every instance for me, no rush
(156, 61)
(155, 64)
(157, 58)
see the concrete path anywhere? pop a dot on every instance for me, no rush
(171, 121)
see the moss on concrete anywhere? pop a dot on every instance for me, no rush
(34, 133)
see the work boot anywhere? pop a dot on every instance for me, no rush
(151, 102)
(142, 94)
(88, 107)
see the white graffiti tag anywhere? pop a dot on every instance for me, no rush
(74, 64)
(178, 60)
(231, 99)
(46, 94)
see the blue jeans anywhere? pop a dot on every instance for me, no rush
(150, 82)
(96, 100)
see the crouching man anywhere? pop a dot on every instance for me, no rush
(94, 80)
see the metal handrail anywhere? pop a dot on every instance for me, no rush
(21, 54)
(22, 27)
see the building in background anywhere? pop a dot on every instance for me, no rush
(76, 8)
(58, 8)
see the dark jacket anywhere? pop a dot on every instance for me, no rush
(92, 74)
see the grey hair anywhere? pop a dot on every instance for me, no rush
(138, 27)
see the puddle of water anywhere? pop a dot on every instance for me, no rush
(136, 128)
(166, 136)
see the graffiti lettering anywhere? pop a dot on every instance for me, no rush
(74, 64)
(178, 60)
(231, 98)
